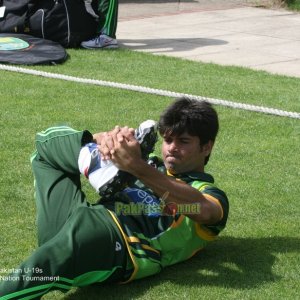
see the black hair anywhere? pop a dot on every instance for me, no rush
(197, 118)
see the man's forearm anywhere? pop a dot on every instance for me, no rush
(171, 190)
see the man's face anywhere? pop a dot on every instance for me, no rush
(183, 153)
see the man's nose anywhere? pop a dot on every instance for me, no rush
(173, 147)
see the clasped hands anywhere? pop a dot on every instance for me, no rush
(120, 146)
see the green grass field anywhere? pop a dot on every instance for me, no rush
(293, 4)
(256, 160)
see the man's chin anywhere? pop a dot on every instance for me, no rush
(171, 169)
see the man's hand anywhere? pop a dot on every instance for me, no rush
(126, 150)
(120, 146)
(106, 144)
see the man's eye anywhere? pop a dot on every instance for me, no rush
(184, 141)
(168, 141)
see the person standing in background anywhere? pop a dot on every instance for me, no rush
(107, 27)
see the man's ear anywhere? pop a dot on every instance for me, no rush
(207, 148)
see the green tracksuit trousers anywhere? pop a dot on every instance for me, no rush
(108, 17)
(79, 243)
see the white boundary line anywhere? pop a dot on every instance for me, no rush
(243, 106)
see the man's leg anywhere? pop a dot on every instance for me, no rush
(88, 249)
(108, 11)
(79, 244)
(57, 179)
(107, 27)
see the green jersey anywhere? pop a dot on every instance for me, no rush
(156, 237)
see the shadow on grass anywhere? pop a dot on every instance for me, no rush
(239, 263)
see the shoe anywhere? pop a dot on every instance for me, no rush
(102, 41)
(103, 175)
(97, 171)
(146, 135)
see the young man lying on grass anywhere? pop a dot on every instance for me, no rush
(153, 212)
